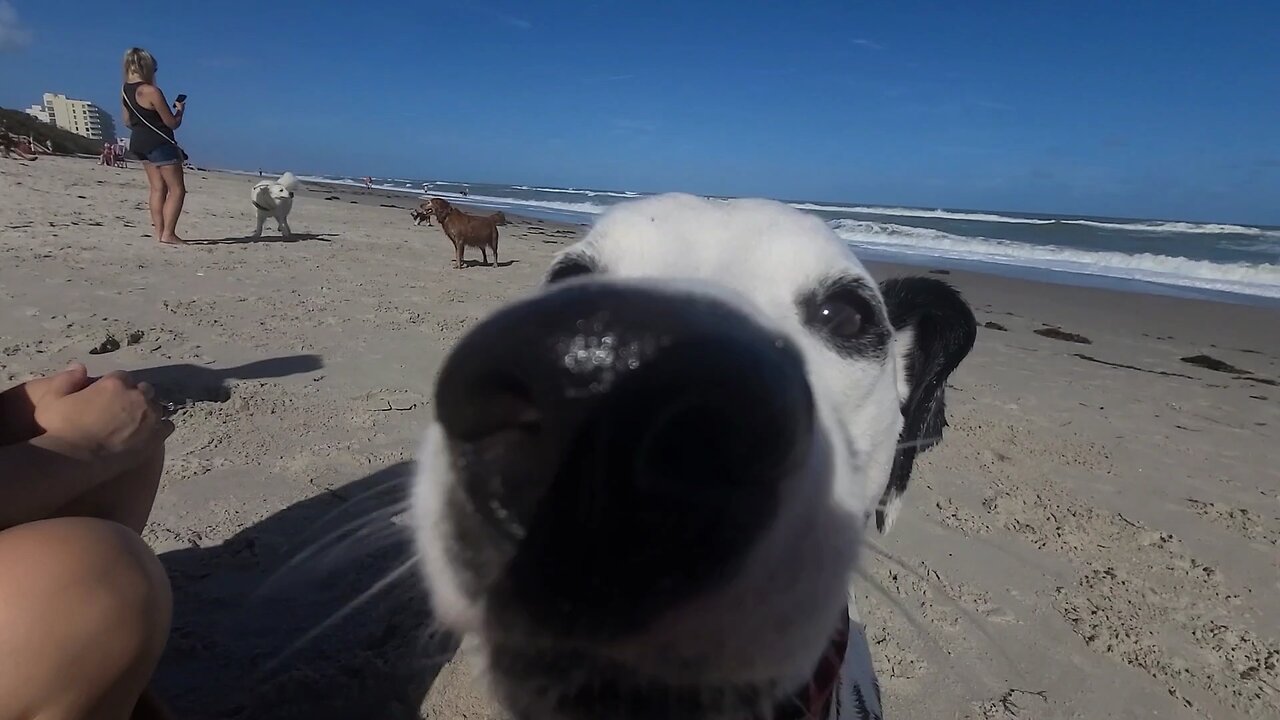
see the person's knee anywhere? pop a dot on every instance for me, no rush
(176, 183)
(86, 582)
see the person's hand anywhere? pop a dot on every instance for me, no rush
(111, 419)
(179, 107)
(18, 403)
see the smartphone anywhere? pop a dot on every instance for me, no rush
(180, 98)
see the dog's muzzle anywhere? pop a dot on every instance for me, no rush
(617, 449)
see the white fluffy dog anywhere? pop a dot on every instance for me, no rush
(647, 484)
(274, 198)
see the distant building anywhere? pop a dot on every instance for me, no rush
(38, 112)
(79, 116)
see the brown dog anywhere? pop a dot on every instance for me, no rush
(467, 230)
(423, 215)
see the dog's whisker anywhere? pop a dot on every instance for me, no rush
(384, 511)
(373, 518)
(360, 544)
(391, 577)
(771, 712)
(974, 619)
(919, 442)
(399, 482)
(375, 531)
(977, 539)
(915, 620)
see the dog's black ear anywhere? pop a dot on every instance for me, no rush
(935, 330)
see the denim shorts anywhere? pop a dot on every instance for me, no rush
(167, 154)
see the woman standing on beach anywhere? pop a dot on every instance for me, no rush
(151, 125)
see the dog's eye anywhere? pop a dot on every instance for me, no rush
(568, 268)
(843, 314)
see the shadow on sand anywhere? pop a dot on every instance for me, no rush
(478, 263)
(186, 383)
(295, 237)
(240, 605)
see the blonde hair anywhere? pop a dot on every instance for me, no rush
(140, 63)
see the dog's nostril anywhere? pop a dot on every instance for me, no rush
(678, 453)
(716, 421)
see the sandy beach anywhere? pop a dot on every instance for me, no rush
(1097, 537)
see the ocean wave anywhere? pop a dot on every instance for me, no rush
(574, 191)
(586, 208)
(1253, 279)
(579, 208)
(1177, 227)
(912, 212)
(1153, 226)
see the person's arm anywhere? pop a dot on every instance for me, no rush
(154, 96)
(71, 432)
(41, 475)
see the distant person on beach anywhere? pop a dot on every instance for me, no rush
(152, 123)
(11, 146)
(85, 605)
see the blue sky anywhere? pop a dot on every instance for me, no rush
(1141, 109)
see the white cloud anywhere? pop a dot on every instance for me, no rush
(14, 35)
(869, 44)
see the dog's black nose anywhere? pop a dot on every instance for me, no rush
(617, 448)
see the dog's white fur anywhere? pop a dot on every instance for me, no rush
(769, 622)
(274, 198)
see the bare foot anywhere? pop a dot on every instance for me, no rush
(173, 240)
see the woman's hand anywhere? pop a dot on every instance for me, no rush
(108, 420)
(18, 403)
(179, 107)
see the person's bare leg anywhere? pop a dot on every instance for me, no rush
(126, 498)
(156, 199)
(85, 609)
(176, 193)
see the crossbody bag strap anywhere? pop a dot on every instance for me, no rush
(134, 109)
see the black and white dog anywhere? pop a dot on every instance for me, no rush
(647, 484)
(274, 198)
